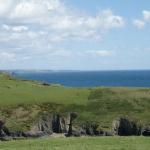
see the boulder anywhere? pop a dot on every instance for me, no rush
(125, 127)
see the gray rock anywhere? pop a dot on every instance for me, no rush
(91, 128)
(72, 117)
(125, 127)
(49, 124)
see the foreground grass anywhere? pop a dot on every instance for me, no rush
(99, 143)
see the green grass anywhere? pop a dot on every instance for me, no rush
(99, 143)
(21, 101)
(13, 92)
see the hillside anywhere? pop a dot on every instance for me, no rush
(22, 101)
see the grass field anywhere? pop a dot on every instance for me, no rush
(15, 91)
(97, 143)
(21, 101)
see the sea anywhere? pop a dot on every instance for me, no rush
(126, 78)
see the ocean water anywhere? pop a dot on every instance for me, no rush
(89, 78)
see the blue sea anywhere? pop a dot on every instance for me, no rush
(89, 78)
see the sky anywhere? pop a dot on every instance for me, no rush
(75, 34)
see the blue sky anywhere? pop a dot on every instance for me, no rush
(74, 34)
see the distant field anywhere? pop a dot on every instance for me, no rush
(100, 143)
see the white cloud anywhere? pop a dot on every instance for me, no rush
(139, 23)
(5, 7)
(57, 21)
(32, 10)
(108, 20)
(5, 56)
(41, 28)
(14, 28)
(25, 10)
(101, 53)
(146, 15)
(53, 14)
(104, 20)
(28, 9)
(19, 28)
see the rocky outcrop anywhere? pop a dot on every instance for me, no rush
(90, 129)
(60, 124)
(125, 127)
(93, 129)
(50, 124)
(72, 117)
(6, 135)
(47, 124)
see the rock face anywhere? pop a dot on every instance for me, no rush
(44, 125)
(91, 129)
(72, 117)
(125, 127)
(47, 124)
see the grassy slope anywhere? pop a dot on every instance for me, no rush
(96, 104)
(15, 91)
(102, 143)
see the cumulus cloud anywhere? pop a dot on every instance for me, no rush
(139, 23)
(36, 27)
(14, 28)
(5, 56)
(103, 20)
(30, 9)
(5, 7)
(146, 15)
(53, 14)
